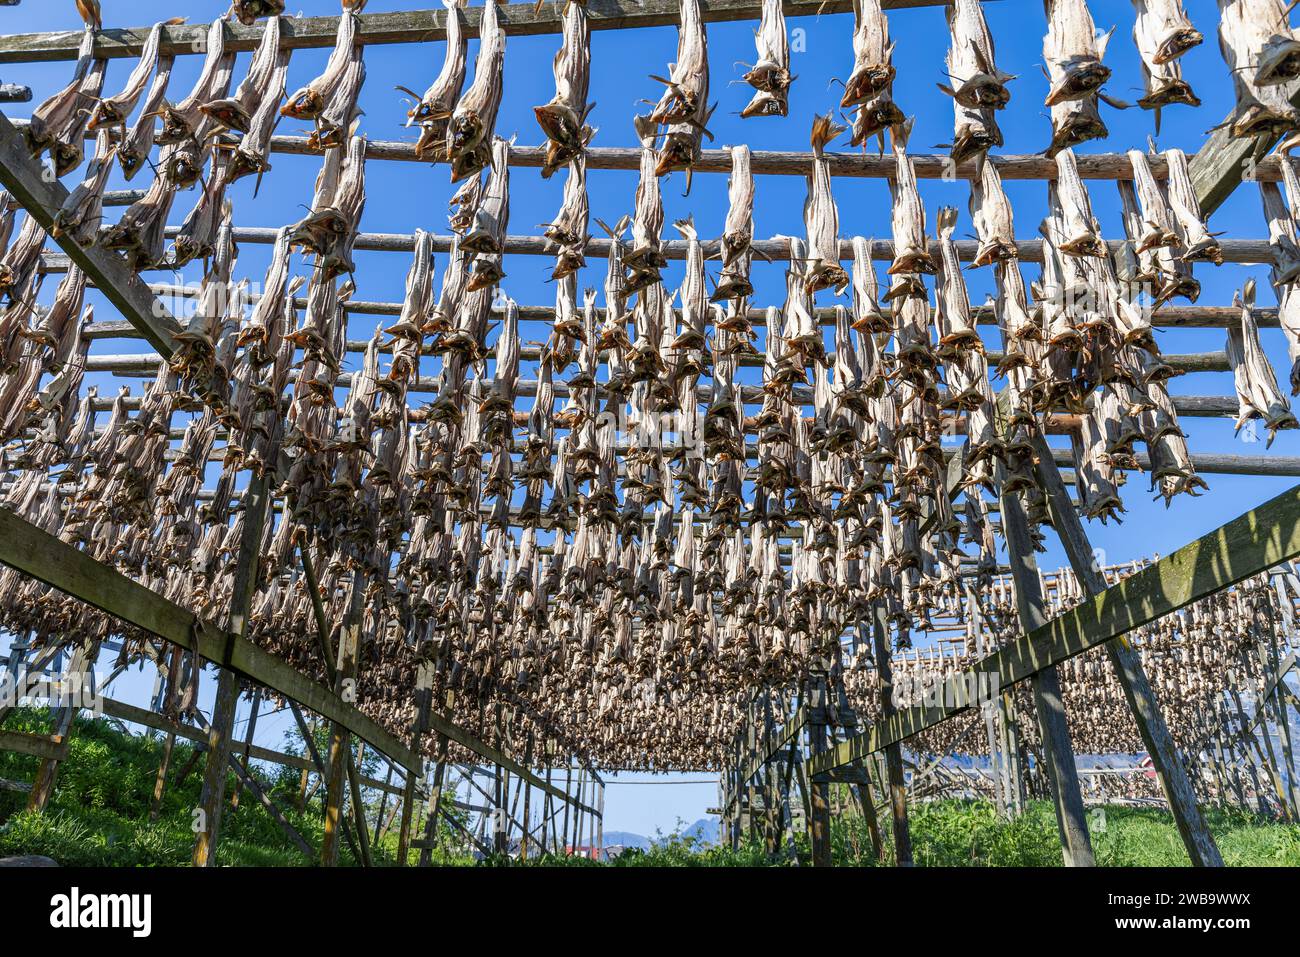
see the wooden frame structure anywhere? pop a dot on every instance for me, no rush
(769, 752)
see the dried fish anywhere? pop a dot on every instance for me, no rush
(114, 110)
(184, 121)
(309, 102)
(868, 317)
(137, 142)
(433, 110)
(911, 249)
(953, 317)
(80, 216)
(1258, 394)
(470, 129)
(979, 87)
(1262, 54)
(486, 239)
(991, 213)
(770, 74)
(684, 106)
(821, 218)
(564, 118)
(569, 231)
(1163, 33)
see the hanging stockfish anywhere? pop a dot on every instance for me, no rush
(20, 265)
(470, 130)
(1282, 224)
(1163, 33)
(433, 110)
(911, 249)
(1263, 55)
(1198, 243)
(978, 86)
(59, 124)
(486, 239)
(868, 317)
(1073, 49)
(1094, 474)
(770, 75)
(737, 233)
(407, 332)
(870, 85)
(684, 108)
(82, 212)
(822, 270)
(644, 260)
(260, 337)
(569, 229)
(114, 110)
(1172, 472)
(139, 231)
(311, 101)
(991, 213)
(1258, 395)
(953, 318)
(197, 342)
(181, 123)
(138, 141)
(1081, 235)
(564, 118)
(198, 233)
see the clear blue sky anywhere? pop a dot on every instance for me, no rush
(404, 196)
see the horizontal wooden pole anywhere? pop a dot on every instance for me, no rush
(34, 552)
(152, 719)
(409, 26)
(36, 745)
(1246, 546)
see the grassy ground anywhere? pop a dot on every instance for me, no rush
(99, 816)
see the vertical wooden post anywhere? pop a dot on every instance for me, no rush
(244, 588)
(248, 743)
(1058, 752)
(339, 747)
(424, 705)
(435, 804)
(600, 822)
(1124, 659)
(819, 791)
(528, 794)
(64, 714)
(897, 782)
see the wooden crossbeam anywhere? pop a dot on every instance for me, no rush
(776, 250)
(1246, 546)
(37, 745)
(34, 552)
(43, 196)
(410, 26)
(151, 719)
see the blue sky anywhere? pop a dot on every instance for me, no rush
(404, 196)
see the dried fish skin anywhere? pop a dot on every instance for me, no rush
(114, 110)
(873, 70)
(685, 98)
(564, 118)
(977, 83)
(1081, 234)
(1262, 54)
(183, 122)
(569, 231)
(434, 109)
(137, 142)
(991, 213)
(470, 129)
(956, 325)
(1258, 395)
(821, 217)
(911, 249)
(770, 74)
(1072, 51)
(309, 102)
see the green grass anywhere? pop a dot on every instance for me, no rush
(99, 816)
(99, 813)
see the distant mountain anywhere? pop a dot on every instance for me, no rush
(626, 839)
(705, 831)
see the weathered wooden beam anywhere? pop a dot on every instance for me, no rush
(34, 552)
(775, 250)
(1247, 545)
(410, 26)
(1129, 671)
(151, 719)
(43, 746)
(14, 93)
(43, 196)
